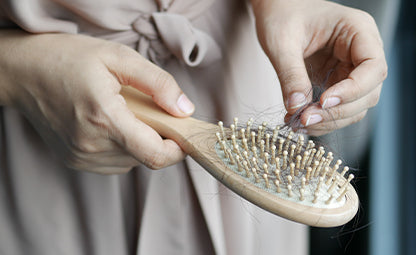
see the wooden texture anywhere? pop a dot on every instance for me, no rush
(197, 138)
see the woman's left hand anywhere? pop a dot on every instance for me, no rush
(327, 44)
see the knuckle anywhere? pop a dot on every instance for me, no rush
(85, 146)
(365, 16)
(74, 162)
(359, 117)
(384, 71)
(163, 80)
(119, 50)
(290, 74)
(374, 99)
(81, 144)
(335, 113)
(355, 90)
(113, 53)
(293, 78)
(155, 161)
(368, 17)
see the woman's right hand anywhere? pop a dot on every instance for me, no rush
(68, 87)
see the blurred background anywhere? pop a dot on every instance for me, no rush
(382, 147)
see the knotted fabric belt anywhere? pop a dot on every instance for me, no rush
(163, 34)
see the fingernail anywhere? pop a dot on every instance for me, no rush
(185, 105)
(313, 119)
(331, 102)
(296, 100)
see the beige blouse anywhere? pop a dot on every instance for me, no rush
(210, 47)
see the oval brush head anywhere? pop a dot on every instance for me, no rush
(282, 169)
(275, 170)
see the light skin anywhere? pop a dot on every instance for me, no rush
(68, 85)
(307, 40)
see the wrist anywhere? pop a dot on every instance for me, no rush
(17, 60)
(8, 55)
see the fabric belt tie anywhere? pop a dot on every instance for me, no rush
(163, 34)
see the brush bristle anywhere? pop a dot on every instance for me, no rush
(280, 163)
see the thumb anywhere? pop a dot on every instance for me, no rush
(132, 69)
(294, 80)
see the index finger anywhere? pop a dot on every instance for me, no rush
(370, 70)
(141, 141)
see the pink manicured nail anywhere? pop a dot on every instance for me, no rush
(185, 105)
(331, 102)
(313, 119)
(296, 100)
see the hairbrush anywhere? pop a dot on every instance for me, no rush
(274, 169)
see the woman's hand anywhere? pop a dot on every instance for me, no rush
(329, 45)
(68, 87)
